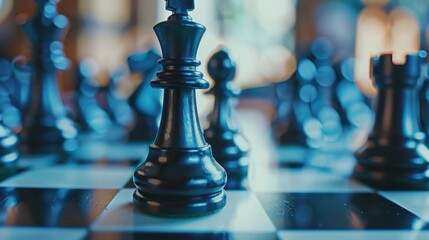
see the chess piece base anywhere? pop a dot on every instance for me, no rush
(179, 206)
(180, 182)
(61, 137)
(402, 165)
(231, 153)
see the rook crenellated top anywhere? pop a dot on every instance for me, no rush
(386, 72)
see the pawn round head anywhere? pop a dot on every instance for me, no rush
(221, 67)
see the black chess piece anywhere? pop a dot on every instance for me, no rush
(8, 151)
(301, 128)
(116, 105)
(230, 148)
(21, 75)
(314, 121)
(395, 155)
(89, 113)
(180, 177)
(424, 102)
(11, 115)
(47, 127)
(352, 105)
(145, 101)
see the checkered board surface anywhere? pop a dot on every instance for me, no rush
(89, 196)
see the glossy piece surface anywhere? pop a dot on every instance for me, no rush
(395, 155)
(10, 114)
(230, 148)
(180, 177)
(424, 103)
(8, 151)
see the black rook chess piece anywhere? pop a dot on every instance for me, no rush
(230, 148)
(395, 155)
(145, 101)
(180, 177)
(46, 125)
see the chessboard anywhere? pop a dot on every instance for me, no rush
(89, 195)
(94, 164)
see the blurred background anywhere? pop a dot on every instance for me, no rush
(304, 63)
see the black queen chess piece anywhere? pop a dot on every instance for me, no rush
(180, 177)
(230, 148)
(395, 155)
(47, 127)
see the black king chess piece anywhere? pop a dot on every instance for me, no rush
(395, 155)
(180, 177)
(46, 125)
(230, 148)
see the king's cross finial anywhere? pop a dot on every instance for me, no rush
(180, 6)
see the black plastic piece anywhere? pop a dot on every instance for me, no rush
(116, 105)
(395, 155)
(230, 148)
(8, 151)
(91, 116)
(180, 177)
(47, 127)
(8, 140)
(10, 114)
(145, 101)
(424, 102)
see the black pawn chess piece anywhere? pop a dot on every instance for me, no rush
(395, 155)
(47, 127)
(145, 101)
(230, 148)
(90, 114)
(180, 177)
(424, 103)
(8, 151)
